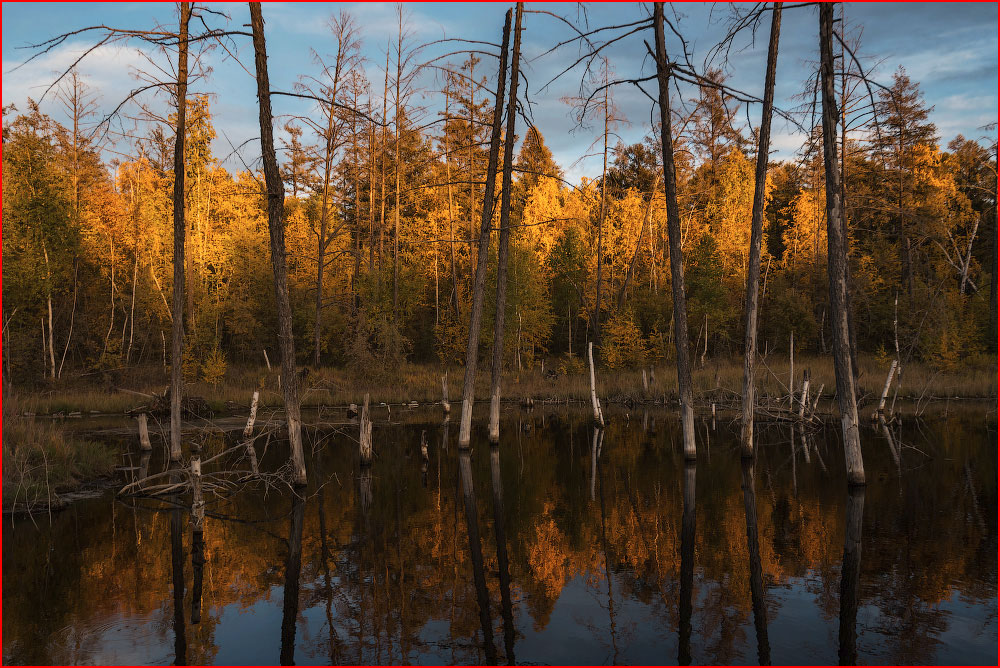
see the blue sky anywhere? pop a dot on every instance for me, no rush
(949, 48)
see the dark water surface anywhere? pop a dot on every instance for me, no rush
(560, 546)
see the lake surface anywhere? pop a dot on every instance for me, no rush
(559, 546)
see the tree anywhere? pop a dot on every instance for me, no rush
(177, 331)
(475, 316)
(837, 260)
(684, 386)
(505, 225)
(904, 127)
(275, 224)
(756, 234)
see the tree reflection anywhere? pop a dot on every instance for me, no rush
(293, 568)
(177, 570)
(850, 576)
(502, 563)
(688, 522)
(476, 551)
(756, 580)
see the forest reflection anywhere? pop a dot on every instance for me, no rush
(537, 550)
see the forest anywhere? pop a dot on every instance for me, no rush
(380, 216)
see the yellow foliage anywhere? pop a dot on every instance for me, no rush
(623, 344)
(214, 366)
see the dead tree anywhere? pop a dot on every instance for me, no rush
(476, 315)
(756, 236)
(837, 259)
(501, 295)
(177, 331)
(276, 227)
(684, 387)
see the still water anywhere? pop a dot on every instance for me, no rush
(559, 546)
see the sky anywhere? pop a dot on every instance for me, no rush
(948, 48)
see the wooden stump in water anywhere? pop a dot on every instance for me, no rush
(248, 431)
(804, 399)
(197, 502)
(885, 388)
(595, 402)
(144, 443)
(365, 442)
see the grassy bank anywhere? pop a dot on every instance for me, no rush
(41, 460)
(717, 380)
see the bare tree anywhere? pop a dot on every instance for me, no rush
(276, 227)
(347, 58)
(756, 236)
(501, 295)
(684, 387)
(837, 259)
(476, 314)
(177, 331)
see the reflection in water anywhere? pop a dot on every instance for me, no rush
(324, 556)
(177, 568)
(476, 551)
(756, 580)
(293, 568)
(386, 575)
(144, 464)
(498, 527)
(688, 521)
(197, 567)
(604, 548)
(850, 576)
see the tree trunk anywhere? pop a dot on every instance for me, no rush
(48, 287)
(604, 213)
(72, 317)
(451, 218)
(177, 327)
(684, 387)
(275, 224)
(395, 236)
(756, 237)
(837, 260)
(501, 294)
(476, 315)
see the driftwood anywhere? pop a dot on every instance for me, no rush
(159, 406)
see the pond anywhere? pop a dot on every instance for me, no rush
(561, 545)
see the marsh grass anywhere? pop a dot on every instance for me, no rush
(41, 459)
(719, 380)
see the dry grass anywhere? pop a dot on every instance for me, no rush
(718, 380)
(40, 459)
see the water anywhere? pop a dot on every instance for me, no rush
(580, 553)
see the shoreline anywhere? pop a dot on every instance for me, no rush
(560, 380)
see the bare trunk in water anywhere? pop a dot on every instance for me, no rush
(674, 233)
(501, 296)
(177, 338)
(837, 260)
(476, 315)
(756, 235)
(276, 226)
